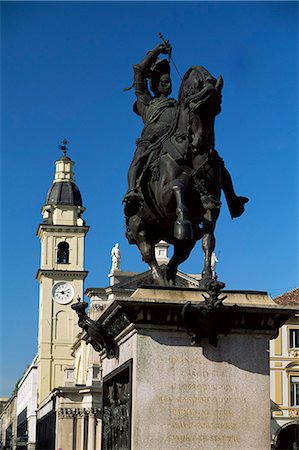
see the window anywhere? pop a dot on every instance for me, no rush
(22, 429)
(294, 390)
(294, 337)
(85, 433)
(69, 374)
(63, 253)
(8, 437)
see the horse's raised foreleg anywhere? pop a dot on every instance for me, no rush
(181, 252)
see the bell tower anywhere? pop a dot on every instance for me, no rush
(61, 275)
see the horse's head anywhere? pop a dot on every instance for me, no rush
(200, 101)
(201, 91)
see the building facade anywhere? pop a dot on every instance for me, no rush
(8, 424)
(26, 409)
(284, 372)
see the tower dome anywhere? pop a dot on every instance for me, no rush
(63, 204)
(64, 191)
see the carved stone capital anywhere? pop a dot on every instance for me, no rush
(294, 412)
(68, 413)
(96, 307)
(96, 334)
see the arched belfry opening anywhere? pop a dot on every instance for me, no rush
(63, 253)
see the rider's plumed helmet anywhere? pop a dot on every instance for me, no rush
(155, 72)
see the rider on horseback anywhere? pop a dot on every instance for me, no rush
(158, 112)
(160, 117)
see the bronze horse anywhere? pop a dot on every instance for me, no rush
(181, 183)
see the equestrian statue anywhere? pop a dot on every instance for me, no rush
(176, 176)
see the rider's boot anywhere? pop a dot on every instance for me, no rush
(133, 196)
(235, 203)
(183, 229)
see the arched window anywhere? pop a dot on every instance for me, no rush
(294, 385)
(288, 437)
(63, 253)
(293, 375)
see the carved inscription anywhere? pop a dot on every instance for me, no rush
(204, 438)
(204, 409)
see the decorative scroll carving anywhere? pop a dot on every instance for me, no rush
(97, 335)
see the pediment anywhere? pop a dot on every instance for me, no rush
(134, 281)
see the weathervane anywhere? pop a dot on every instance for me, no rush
(63, 147)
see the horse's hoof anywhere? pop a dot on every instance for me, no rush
(170, 281)
(205, 281)
(183, 230)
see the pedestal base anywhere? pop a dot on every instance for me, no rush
(184, 397)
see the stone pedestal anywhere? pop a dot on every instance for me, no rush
(184, 397)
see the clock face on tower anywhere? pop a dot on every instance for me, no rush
(63, 292)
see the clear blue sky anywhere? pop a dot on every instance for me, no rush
(64, 67)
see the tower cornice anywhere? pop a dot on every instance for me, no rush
(61, 274)
(61, 229)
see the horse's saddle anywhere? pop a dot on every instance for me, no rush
(176, 146)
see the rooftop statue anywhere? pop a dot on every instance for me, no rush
(115, 258)
(176, 176)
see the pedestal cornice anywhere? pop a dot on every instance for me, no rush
(187, 310)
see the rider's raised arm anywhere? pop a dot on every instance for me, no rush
(141, 69)
(141, 72)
